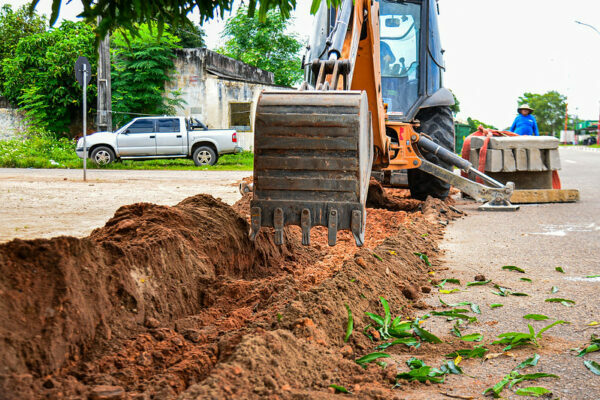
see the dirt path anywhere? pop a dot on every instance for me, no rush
(46, 203)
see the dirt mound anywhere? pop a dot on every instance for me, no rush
(390, 199)
(59, 297)
(162, 298)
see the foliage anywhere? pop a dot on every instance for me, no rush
(264, 45)
(42, 149)
(189, 36)
(15, 25)
(419, 371)
(475, 123)
(456, 107)
(40, 77)
(515, 339)
(549, 109)
(141, 68)
(38, 149)
(128, 14)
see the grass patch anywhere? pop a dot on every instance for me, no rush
(45, 150)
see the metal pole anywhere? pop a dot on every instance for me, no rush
(84, 121)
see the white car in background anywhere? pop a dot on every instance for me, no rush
(161, 137)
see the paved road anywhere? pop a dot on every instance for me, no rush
(538, 238)
(38, 203)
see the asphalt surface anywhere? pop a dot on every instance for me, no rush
(538, 239)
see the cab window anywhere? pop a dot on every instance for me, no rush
(142, 126)
(168, 125)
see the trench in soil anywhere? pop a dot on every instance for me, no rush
(176, 301)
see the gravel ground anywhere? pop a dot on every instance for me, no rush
(39, 203)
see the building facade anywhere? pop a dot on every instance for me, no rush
(219, 91)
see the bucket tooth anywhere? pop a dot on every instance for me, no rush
(332, 227)
(255, 221)
(358, 228)
(305, 224)
(278, 225)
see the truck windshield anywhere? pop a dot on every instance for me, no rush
(400, 28)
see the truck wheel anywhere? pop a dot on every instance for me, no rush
(204, 155)
(102, 155)
(438, 124)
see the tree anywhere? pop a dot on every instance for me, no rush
(549, 109)
(14, 26)
(128, 14)
(39, 78)
(141, 67)
(189, 36)
(456, 107)
(475, 123)
(264, 45)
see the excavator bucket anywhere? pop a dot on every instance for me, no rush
(313, 154)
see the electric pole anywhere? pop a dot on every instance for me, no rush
(104, 106)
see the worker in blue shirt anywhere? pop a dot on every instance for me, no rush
(525, 123)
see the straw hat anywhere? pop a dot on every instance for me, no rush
(525, 107)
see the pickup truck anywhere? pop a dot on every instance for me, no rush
(160, 137)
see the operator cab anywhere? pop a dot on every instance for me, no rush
(399, 29)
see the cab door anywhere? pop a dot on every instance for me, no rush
(170, 137)
(138, 139)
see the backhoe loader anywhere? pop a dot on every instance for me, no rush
(372, 102)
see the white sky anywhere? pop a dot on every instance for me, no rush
(495, 51)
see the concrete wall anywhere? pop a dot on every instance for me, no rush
(209, 82)
(11, 123)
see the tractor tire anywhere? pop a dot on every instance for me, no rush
(102, 155)
(204, 156)
(438, 124)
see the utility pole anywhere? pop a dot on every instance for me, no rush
(104, 102)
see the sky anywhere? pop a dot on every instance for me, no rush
(495, 51)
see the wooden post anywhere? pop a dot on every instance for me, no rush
(104, 103)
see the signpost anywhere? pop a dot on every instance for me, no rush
(83, 73)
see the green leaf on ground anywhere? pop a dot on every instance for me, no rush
(496, 305)
(377, 318)
(592, 366)
(424, 258)
(533, 391)
(339, 389)
(559, 322)
(519, 294)
(448, 280)
(446, 291)
(408, 341)
(525, 279)
(590, 349)
(472, 337)
(350, 323)
(377, 257)
(593, 276)
(370, 358)
(425, 335)
(554, 289)
(536, 317)
(564, 302)
(478, 283)
(475, 308)
(475, 352)
(513, 268)
(461, 304)
(530, 362)
(559, 269)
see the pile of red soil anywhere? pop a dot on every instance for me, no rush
(169, 300)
